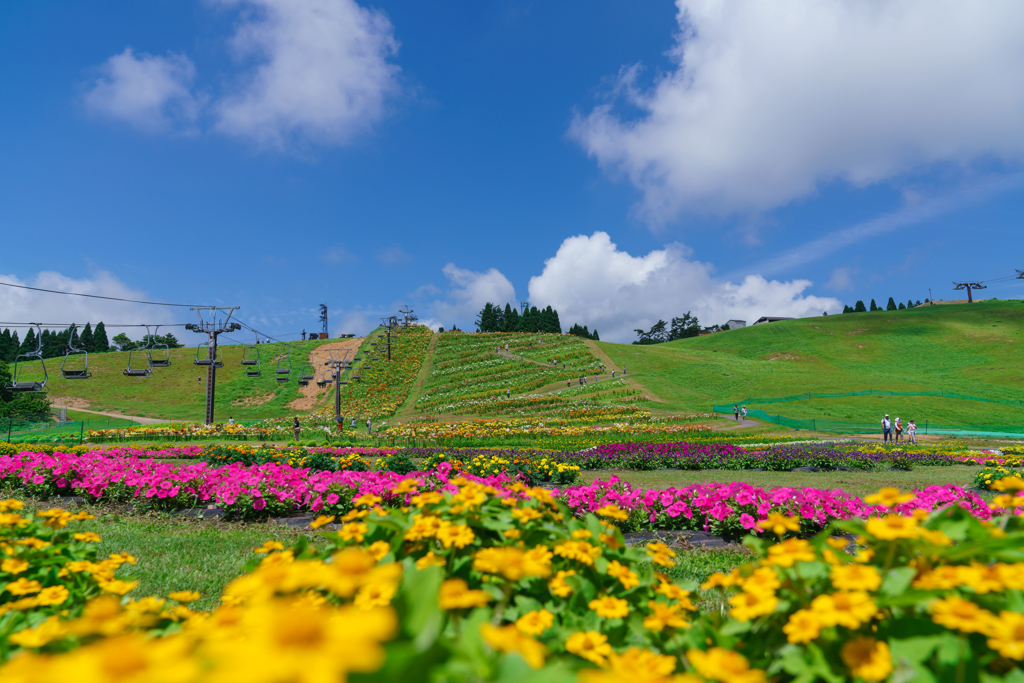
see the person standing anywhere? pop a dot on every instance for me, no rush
(303, 335)
(568, 383)
(296, 429)
(736, 412)
(898, 429)
(231, 420)
(369, 426)
(353, 425)
(743, 412)
(912, 431)
(508, 394)
(886, 429)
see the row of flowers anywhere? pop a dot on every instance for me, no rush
(484, 583)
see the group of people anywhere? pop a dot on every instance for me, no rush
(737, 411)
(297, 428)
(892, 430)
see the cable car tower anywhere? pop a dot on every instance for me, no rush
(213, 320)
(338, 363)
(968, 286)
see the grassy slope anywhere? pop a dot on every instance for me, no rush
(173, 392)
(972, 350)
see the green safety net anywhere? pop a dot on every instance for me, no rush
(873, 392)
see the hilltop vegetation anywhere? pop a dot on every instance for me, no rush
(973, 350)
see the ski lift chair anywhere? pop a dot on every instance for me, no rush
(79, 366)
(283, 371)
(251, 361)
(140, 363)
(306, 374)
(24, 378)
(162, 357)
(204, 358)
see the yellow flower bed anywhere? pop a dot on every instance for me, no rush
(488, 586)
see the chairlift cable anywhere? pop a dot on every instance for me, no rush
(97, 296)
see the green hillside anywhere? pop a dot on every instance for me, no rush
(175, 392)
(967, 349)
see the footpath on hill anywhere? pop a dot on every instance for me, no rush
(421, 379)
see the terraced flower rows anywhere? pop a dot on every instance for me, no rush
(469, 373)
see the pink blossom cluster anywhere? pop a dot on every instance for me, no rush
(738, 505)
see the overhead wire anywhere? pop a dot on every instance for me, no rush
(97, 296)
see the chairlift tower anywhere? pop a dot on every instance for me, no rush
(408, 316)
(323, 319)
(389, 323)
(1020, 274)
(213, 321)
(339, 364)
(968, 286)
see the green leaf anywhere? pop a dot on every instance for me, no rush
(734, 627)
(914, 650)
(897, 581)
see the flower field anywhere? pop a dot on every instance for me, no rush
(469, 376)
(495, 581)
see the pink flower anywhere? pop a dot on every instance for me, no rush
(747, 521)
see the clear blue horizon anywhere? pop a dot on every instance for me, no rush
(622, 162)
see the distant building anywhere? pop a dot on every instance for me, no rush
(768, 319)
(735, 324)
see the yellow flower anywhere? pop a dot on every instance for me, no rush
(269, 547)
(590, 645)
(1007, 635)
(368, 500)
(455, 594)
(746, 606)
(49, 630)
(855, 577)
(430, 560)
(638, 664)
(663, 615)
(581, 551)
(580, 534)
(353, 531)
(892, 527)
(724, 665)
(322, 520)
(790, 551)
(525, 515)
(779, 524)
(558, 585)
(614, 512)
(88, 537)
(118, 587)
(53, 595)
(764, 580)
(628, 578)
(867, 658)
(535, 622)
(428, 498)
(963, 615)
(1014, 483)
(511, 533)
(11, 504)
(660, 554)
(803, 626)
(378, 549)
(423, 526)
(844, 608)
(720, 580)
(24, 586)
(13, 565)
(888, 497)
(609, 607)
(122, 558)
(459, 535)
(1011, 575)
(34, 543)
(509, 639)
(184, 596)
(375, 594)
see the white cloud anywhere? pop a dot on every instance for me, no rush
(591, 282)
(841, 280)
(24, 305)
(771, 99)
(354, 322)
(337, 254)
(149, 92)
(469, 291)
(324, 73)
(393, 255)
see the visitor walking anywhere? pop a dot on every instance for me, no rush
(295, 427)
(736, 412)
(508, 394)
(912, 431)
(886, 429)
(899, 429)
(623, 369)
(353, 425)
(743, 412)
(568, 383)
(369, 426)
(303, 335)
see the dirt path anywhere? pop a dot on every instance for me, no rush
(311, 393)
(739, 423)
(409, 406)
(75, 404)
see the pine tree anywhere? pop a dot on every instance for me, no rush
(902, 307)
(556, 325)
(30, 342)
(5, 345)
(910, 303)
(596, 336)
(99, 339)
(891, 306)
(859, 308)
(511, 319)
(85, 339)
(874, 306)
(847, 309)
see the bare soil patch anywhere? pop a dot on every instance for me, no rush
(311, 393)
(253, 401)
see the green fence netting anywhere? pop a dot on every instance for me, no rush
(26, 431)
(873, 392)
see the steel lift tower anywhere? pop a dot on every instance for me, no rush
(968, 286)
(213, 321)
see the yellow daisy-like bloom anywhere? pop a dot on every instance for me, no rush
(375, 594)
(581, 534)
(790, 551)
(610, 607)
(1007, 635)
(844, 608)
(720, 580)
(640, 664)
(24, 586)
(867, 658)
(34, 543)
(269, 547)
(406, 486)
(660, 554)
(368, 500)
(184, 596)
(44, 633)
(455, 594)
(779, 524)
(963, 615)
(510, 639)
(11, 504)
(724, 665)
(512, 533)
(428, 498)
(979, 577)
(613, 512)
(747, 606)
(353, 531)
(590, 645)
(803, 627)
(13, 565)
(558, 586)
(459, 535)
(888, 497)
(430, 560)
(1011, 575)
(118, 587)
(53, 595)
(892, 527)
(88, 537)
(627, 578)
(526, 515)
(378, 549)
(322, 520)
(855, 577)
(764, 580)
(535, 622)
(663, 615)
(581, 551)
(1014, 483)
(423, 526)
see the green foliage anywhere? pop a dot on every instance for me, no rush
(859, 308)
(891, 306)
(399, 463)
(492, 318)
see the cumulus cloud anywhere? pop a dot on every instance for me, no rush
(149, 92)
(767, 101)
(323, 73)
(393, 255)
(591, 282)
(841, 280)
(469, 291)
(25, 305)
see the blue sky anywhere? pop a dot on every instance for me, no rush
(620, 161)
